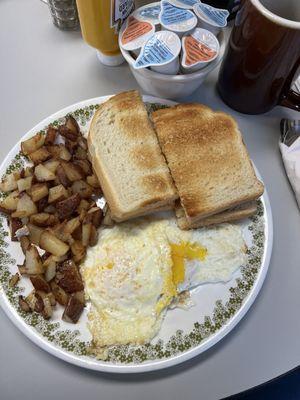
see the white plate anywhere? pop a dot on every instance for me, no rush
(184, 334)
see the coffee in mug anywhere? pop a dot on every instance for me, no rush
(262, 57)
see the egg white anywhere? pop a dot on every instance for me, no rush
(225, 253)
(129, 275)
(128, 279)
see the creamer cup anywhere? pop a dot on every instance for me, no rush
(176, 19)
(199, 48)
(210, 18)
(160, 53)
(187, 4)
(149, 13)
(135, 34)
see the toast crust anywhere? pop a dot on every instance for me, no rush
(139, 155)
(207, 158)
(233, 214)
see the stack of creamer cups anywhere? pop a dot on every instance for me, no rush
(173, 36)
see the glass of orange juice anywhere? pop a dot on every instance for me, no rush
(100, 21)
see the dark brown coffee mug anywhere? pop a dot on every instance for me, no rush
(262, 57)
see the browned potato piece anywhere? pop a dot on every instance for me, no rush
(38, 191)
(73, 310)
(82, 188)
(50, 135)
(43, 174)
(40, 155)
(78, 251)
(28, 172)
(60, 233)
(60, 295)
(72, 125)
(52, 165)
(107, 220)
(33, 144)
(84, 165)
(82, 215)
(24, 184)
(80, 296)
(25, 243)
(95, 216)
(66, 208)
(25, 207)
(93, 181)
(62, 176)
(83, 205)
(67, 133)
(68, 277)
(70, 130)
(93, 236)
(54, 150)
(71, 225)
(42, 204)
(10, 203)
(80, 153)
(73, 172)
(39, 303)
(71, 146)
(50, 209)
(39, 283)
(86, 233)
(47, 310)
(14, 225)
(50, 243)
(35, 301)
(35, 233)
(22, 269)
(23, 304)
(49, 259)
(50, 270)
(77, 234)
(82, 142)
(14, 280)
(9, 183)
(33, 263)
(51, 298)
(64, 153)
(57, 193)
(44, 219)
(59, 151)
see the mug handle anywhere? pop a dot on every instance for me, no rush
(289, 97)
(291, 100)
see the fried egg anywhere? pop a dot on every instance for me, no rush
(137, 269)
(205, 255)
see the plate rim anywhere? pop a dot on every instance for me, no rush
(154, 365)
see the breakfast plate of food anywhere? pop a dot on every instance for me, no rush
(135, 232)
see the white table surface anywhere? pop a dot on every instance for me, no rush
(43, 70)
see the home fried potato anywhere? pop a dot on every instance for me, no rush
(52, 212)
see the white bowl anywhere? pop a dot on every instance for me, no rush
(172, 86)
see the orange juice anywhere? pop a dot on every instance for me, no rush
(100, 21)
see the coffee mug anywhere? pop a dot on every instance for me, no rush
(262, 57)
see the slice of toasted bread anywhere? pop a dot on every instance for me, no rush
(233, 214)
(127, 158)
(207, 158)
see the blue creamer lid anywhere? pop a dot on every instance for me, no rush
(162, 48)
(213, 16)
(176, 19)
(187, 4)
(149, 13)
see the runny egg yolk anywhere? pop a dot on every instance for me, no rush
(108, 266)
(184, 250)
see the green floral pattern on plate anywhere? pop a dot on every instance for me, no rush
(178, 343)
